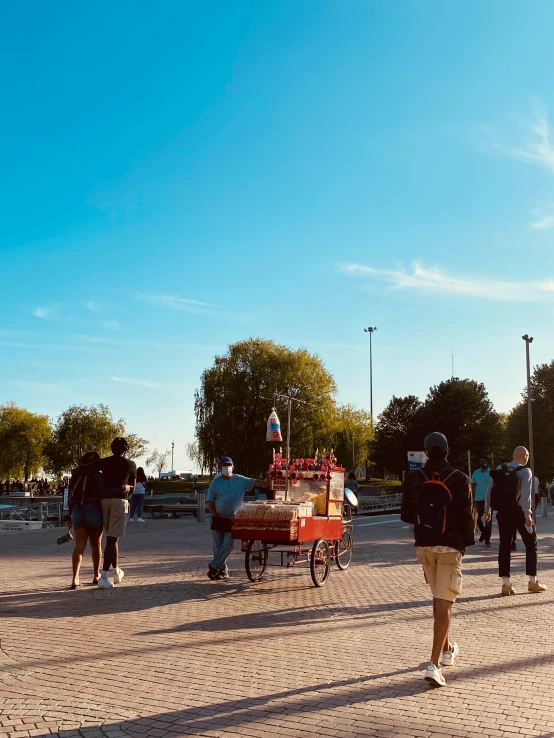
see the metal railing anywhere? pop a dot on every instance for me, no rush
(48, 513)
(376, 503)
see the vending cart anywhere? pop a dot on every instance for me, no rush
(308, 519)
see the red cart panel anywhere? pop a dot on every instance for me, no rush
(287, 531)
(310, 529)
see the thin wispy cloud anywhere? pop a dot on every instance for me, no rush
(543, 224)
(182, 303)
(418, 278)
(93, 306)
(538, 148)
(44, 313)
(113, 325)
(145, 383)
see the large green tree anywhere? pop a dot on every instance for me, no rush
(396, 433)
(352, 436)
(462, 410)
(137, 446)
(238, 392)
(80, 429)
(517, 428)
(23, 440)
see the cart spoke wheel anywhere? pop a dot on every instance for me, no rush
(255, 560)
(320, 562)
(343, 550)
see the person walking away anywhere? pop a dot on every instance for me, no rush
(137, 498)
(119, 476)
(437, 501)
(352, 484)
(509, 494)
(85, 489)
(480, 484)
(225, 496)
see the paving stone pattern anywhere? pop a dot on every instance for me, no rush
(169, 653)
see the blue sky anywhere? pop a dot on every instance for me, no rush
(177, 176)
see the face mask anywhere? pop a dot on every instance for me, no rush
(227, 471)
(484, 465)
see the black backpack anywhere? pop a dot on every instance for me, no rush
(505, 483)
(434, 502)
(85, 485)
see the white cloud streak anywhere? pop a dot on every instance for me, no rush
(145, 383)
(42, 312)
(182, 303)
(538, 149)
(543, 224)
(418, 278)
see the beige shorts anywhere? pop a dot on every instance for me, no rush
(115, 513)
(443, 572)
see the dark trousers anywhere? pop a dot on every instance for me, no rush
(483, 526)
(508, 524)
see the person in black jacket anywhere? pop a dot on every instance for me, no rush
(437, 501)
(85, 515)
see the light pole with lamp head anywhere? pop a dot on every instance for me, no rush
(370, 330)
(528, 340)
(172, 447)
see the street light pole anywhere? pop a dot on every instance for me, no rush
(172, 447)
(370, 330)
(528, 340)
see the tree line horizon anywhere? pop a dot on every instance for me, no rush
(237, 394)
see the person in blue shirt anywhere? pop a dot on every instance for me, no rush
(225, 496)
(480, 484)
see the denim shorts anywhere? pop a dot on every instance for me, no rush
(88, 515)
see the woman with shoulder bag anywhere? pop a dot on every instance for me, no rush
(85, 490)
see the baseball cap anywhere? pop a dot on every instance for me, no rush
(225, 460)
(436, 442)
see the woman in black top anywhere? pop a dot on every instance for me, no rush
(85, 490)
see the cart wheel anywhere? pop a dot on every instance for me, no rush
(343, 550)
(320, 562)
(255, 560)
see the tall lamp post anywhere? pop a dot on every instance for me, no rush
(370, 330)
(528, 340)
(172, 447)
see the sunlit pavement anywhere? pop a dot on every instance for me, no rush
(170, 653)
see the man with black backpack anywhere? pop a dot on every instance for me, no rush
(437, 501)
(509, 494)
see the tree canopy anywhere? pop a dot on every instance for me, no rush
(23, 440)
(396, 433)
(462, 410)
(237, 394)
(517, 428)
(352, 436)
(80, 429)
(459, 408)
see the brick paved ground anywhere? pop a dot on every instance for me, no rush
(169, 653)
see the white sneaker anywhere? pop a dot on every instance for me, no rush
(105, 583)
(130, 520)
(433, 675)
(118, 575)
(140, 520)
(449, 657)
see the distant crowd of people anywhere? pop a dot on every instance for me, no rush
(36, 487)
